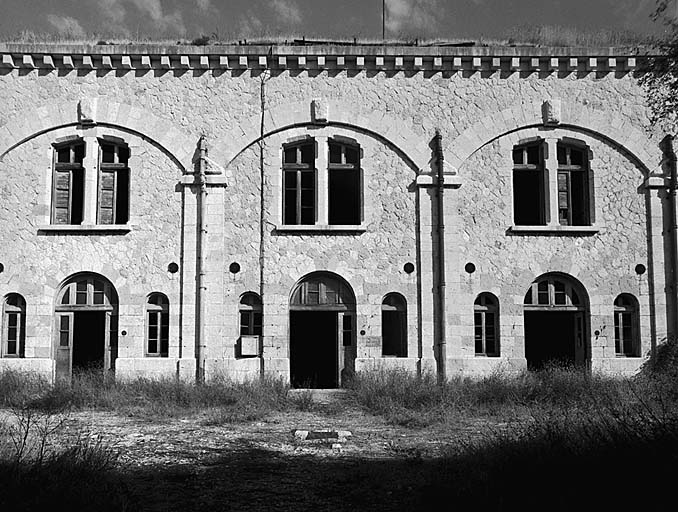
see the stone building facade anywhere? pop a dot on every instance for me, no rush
(312, 211)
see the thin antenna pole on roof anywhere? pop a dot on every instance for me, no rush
(383, 19)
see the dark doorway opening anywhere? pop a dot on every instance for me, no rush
(89, 335)
(313, 349)
(550, 338)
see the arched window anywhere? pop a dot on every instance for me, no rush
(68, 182)
(323, 290)
(394, 325)
(552, 291)
(626, 326)
(299, 183)
(157, 325)
(113, 197)
(250, 310)
(486, 325)
(14, 326)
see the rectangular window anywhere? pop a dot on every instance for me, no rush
(573, 186)
(113, 197)
(393, 333)
(529, 204)
(299, 184)
(344, 184)
(68, 184)
(158, 333)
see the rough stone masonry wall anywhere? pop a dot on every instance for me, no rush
(507, 262)
(37, 261)
(222, 103)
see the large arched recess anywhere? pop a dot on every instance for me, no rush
(176, 143)
(396, 133)
(85, 325)
(606, 125)
(556, 312)
(322, 337)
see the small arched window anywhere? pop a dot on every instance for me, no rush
(14, 326)
(251, 316)
(486, 325)
(626, 326)
(394, 325)
(157, 325)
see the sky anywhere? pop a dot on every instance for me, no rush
(231, 20)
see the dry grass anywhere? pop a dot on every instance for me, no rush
(531, 35)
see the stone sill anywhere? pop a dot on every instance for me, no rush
(113, 229)
(554, 230)
(321, 229)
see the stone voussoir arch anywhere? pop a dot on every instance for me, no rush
(394, 131)
(603, 124)
(177, 143)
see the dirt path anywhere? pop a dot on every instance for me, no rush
(190, 464)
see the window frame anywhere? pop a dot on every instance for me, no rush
(567, 170)
(631, 311)
(540, 169)
(249, 307)
(344, 166)
(159, 312)
(72, 167)
(299, 168)
(116, 168)
(486, 305)
(17, 311)
(394, 303)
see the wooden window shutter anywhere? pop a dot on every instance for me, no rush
(107, 199)
(62, 197)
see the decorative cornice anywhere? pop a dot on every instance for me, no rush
(319, 57)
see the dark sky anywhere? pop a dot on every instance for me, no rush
(426, 19)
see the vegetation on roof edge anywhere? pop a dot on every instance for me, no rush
(545, 35)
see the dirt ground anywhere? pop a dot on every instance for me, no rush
(184, 464)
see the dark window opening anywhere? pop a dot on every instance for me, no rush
(529, 204)
(394, 326)
(344, 184)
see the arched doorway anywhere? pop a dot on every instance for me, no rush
(322, 331)
(556, 309)
(86, 329)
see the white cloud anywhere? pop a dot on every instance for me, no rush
(66, 25)
(204, 5)
(411, 16)
(112, 10)
(250, 25)
(173, 23)
(287, 11)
